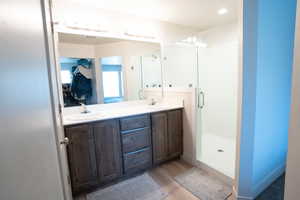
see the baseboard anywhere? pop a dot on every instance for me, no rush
(243, 198)
(263, 184)
(236, 197)
(188, 159)
(226, 179)
(268, 180)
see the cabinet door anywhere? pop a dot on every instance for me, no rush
(175, 140)
(82, 158)
(160, 137)
(108, 151)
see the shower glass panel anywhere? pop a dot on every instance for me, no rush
(145, 76)
(180, 65)
(134, 79)
(211, 72)
(151, 70)
(217, 110)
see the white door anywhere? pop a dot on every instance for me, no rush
(58, 106)
(29, 166)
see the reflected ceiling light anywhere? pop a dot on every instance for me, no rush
(201, 44)
(222, 11)
(194, 39)
(150, 37)
(189, 39)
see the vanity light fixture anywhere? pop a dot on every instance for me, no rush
(222, 11)
(82, 26)
(86, 28)
(140, 36)
(192, 41)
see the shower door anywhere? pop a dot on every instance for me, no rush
(217, 106)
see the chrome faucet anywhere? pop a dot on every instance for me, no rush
(84, 109)
(153, 102)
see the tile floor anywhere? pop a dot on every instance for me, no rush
(164, 176)
(275, 191)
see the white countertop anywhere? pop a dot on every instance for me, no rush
(98, 112)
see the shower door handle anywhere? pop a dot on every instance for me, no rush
(202, 103)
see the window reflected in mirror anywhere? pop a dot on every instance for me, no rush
(112, 80)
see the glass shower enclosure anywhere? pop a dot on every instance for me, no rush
(212, 73)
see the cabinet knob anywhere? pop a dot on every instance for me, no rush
(65, 141)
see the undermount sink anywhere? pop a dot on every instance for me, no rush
(157, 106)
(84, 116)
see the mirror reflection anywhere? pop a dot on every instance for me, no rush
(95, 70)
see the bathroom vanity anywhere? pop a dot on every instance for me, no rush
(121, 144)
(119, 133)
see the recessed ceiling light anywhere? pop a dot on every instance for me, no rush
(222, 11)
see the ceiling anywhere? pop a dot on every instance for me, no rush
(193, 13)
(81, 39)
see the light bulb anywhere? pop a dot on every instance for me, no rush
(222, 11)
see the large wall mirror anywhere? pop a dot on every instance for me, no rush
(97, 70)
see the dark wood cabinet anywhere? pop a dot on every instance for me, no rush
(136, 142)
(82, 157)
(104, 151)
(94, 154)
(175, 137)
(108, 150)
(167, 135)
(160, 137)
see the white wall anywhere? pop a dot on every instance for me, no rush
(76, 50)
(268, 55)
(117, 24)
(127, 48)
(292, 179)
(227, 33)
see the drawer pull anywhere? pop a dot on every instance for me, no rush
(134, 130)
(138, 151)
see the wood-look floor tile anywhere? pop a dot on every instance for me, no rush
(164, 176)
(181, 194)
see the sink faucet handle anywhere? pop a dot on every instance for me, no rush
(153, 102)
(84, 108)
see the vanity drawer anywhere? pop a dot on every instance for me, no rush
(136, 140)
(137, 161)
(135, 122)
